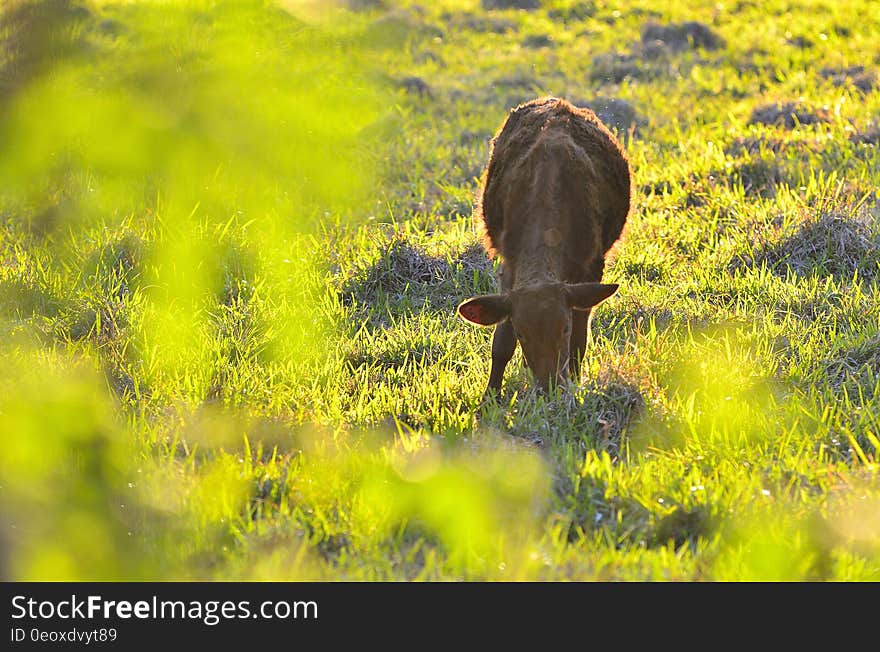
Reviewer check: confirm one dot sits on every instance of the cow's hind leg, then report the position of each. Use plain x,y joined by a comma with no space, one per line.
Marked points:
503,346
577,346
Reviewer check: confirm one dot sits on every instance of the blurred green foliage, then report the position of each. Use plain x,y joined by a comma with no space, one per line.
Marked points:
210,121
214,135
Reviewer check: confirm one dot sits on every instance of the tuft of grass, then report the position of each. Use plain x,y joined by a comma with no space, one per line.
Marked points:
681,36
838,242
788,115
858,77
510,4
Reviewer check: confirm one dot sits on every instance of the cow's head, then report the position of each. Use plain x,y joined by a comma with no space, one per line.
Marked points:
541,319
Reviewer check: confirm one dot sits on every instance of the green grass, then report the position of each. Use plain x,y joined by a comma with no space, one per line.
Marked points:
232,240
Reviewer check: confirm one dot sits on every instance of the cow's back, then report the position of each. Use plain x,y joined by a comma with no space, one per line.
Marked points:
591,170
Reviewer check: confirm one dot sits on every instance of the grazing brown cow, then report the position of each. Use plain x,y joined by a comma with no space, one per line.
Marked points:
555,198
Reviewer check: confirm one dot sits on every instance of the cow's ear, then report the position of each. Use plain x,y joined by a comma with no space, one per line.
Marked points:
583,296
485,310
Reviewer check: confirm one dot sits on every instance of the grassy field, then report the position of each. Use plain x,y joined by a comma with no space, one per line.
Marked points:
233,236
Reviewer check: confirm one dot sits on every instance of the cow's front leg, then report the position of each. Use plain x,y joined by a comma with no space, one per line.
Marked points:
577,347
503,346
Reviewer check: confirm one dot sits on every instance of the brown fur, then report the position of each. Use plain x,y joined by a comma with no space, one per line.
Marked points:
555,198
